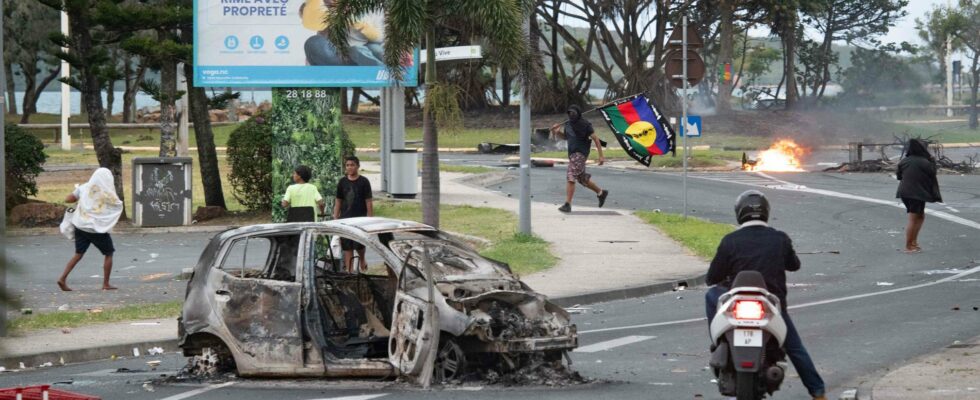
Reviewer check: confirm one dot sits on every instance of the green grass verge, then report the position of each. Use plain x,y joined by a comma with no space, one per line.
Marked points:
464,169
71,319
699,235
699,158
524,254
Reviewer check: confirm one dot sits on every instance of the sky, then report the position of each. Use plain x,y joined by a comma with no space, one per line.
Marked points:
904,30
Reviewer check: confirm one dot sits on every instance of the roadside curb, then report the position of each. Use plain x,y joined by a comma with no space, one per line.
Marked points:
627,293
87,354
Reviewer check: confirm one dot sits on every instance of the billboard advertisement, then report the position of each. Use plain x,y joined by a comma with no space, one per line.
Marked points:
283,43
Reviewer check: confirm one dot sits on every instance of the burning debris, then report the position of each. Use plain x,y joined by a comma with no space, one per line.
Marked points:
782,156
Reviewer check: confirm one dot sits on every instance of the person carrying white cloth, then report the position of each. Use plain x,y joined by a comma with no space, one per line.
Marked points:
96,213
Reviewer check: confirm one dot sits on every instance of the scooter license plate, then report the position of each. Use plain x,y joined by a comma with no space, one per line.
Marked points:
748,338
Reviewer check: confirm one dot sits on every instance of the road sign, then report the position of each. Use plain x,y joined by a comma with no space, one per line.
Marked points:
693,39
675,64
693,125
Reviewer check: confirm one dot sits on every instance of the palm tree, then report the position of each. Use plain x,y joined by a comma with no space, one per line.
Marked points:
499,22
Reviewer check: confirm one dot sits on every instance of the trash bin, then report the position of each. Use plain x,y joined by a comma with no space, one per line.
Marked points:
404,173
162,191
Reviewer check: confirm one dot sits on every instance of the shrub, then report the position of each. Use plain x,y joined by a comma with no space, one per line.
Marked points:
250,156
24,157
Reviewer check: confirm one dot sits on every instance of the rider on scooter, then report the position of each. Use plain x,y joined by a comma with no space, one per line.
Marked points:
754,246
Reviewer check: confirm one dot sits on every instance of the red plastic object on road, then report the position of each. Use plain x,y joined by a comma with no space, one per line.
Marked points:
42,392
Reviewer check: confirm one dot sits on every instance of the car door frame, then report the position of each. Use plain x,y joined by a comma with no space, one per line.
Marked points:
271,342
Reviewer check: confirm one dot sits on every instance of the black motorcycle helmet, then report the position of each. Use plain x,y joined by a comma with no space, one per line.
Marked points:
751,205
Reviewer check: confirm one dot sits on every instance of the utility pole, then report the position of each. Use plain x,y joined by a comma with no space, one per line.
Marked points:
3,185
65,90
525,164
949,69
683,123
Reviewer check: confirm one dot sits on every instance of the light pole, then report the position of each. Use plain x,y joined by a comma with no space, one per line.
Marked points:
949,69
525,164
3,185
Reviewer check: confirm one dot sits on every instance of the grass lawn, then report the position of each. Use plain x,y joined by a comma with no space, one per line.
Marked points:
70,319
699,235
945,132
699,158
524,254
464,169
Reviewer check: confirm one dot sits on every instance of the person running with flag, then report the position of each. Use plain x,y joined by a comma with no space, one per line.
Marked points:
580,136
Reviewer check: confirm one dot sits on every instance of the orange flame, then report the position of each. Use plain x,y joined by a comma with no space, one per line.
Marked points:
784,155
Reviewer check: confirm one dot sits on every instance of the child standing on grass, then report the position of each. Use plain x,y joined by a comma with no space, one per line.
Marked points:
96,213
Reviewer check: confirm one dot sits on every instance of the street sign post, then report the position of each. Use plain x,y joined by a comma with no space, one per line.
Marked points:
693,126
683,58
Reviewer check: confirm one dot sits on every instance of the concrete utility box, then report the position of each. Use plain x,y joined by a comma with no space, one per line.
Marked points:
404,173
162,191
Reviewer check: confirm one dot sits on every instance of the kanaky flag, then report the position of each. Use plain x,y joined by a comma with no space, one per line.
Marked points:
640,128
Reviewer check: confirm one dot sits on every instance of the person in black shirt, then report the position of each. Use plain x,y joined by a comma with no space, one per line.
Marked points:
919,185
580,135
754,246
354,199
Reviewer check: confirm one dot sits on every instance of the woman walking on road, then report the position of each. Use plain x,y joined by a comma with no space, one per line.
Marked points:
918,186
97,212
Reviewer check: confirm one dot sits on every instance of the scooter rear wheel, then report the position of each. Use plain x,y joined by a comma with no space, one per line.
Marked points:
746,387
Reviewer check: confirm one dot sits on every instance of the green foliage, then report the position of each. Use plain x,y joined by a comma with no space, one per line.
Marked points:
24,157
250,156
306,130
220,101
442,100
881,77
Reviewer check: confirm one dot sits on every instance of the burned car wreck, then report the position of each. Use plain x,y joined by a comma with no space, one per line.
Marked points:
276,300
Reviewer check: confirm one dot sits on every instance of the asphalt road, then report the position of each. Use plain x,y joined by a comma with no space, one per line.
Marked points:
655,347
146,268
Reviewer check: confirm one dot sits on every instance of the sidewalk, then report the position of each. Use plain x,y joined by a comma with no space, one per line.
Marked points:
952,374
600,250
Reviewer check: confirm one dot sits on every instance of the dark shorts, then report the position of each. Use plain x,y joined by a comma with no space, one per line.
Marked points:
576,168
102,241
913,206
347,244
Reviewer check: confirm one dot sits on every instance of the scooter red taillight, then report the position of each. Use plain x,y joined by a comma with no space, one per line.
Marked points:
749,309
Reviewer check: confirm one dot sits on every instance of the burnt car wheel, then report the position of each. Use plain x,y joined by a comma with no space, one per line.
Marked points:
450,360
213,361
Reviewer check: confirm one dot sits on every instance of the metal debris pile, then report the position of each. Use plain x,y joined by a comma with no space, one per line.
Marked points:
509,323
864,166
536,370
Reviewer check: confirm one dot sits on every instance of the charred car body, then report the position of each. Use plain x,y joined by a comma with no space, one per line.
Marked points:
276,301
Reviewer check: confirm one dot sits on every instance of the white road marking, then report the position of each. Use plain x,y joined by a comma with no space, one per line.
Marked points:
789,186
611,344
196,392
804,305
361,397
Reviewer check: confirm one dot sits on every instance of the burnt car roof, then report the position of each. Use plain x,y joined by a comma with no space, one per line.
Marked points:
369,225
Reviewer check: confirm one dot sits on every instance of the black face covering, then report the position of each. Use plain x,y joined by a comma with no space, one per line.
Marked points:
918,148
578,123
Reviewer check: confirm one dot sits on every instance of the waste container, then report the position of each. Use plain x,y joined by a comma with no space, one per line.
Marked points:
162,191
404,173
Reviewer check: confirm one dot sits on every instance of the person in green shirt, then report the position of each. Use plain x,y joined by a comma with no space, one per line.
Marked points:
303,194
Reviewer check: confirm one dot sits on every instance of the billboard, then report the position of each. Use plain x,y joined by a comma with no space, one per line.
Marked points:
283,43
